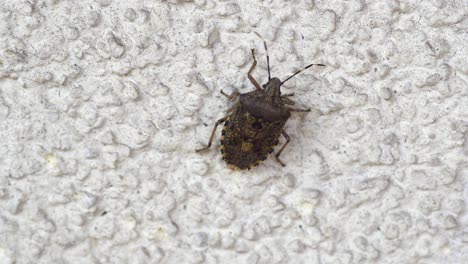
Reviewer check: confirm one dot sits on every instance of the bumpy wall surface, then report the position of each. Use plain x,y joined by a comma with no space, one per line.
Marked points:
103,102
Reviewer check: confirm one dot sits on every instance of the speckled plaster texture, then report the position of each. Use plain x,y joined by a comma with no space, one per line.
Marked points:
102,104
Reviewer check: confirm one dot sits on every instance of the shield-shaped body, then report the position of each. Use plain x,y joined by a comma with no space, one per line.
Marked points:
248,137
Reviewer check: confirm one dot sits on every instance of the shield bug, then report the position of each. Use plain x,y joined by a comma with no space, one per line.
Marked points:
253,126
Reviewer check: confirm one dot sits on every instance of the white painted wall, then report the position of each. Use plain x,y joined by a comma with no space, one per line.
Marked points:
102,104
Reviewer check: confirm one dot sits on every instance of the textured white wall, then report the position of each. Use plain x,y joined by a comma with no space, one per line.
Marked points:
102,104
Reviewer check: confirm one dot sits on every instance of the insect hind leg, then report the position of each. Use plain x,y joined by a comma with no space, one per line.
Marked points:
220,121
287,101
286,136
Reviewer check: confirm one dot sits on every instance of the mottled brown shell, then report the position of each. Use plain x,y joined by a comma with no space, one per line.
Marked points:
247,140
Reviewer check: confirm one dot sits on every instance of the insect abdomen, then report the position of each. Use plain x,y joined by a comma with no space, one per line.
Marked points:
248,140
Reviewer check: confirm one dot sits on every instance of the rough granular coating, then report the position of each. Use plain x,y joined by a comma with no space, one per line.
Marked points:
102,103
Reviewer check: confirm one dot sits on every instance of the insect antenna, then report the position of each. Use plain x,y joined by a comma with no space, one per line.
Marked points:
268,57
296,73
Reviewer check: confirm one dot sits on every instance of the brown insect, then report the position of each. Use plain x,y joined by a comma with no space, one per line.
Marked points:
255,123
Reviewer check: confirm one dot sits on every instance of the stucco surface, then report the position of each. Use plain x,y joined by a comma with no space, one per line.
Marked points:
102,104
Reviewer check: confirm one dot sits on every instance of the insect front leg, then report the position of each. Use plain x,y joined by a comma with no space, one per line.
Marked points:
220,121
286,136
249,74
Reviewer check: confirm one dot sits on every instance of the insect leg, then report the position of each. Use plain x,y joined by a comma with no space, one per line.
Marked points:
298,110
286,136
251,78
231,96
287,95
287,101
212,134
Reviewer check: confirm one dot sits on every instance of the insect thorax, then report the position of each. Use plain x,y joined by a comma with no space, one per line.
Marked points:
262,105
272,88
